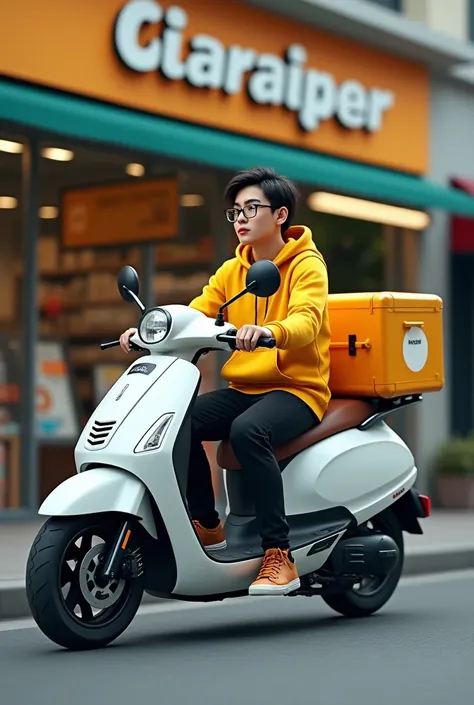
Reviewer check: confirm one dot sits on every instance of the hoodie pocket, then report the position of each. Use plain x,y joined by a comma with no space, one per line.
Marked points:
259,368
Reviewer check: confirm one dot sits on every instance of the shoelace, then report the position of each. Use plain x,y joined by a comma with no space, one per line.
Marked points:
272,564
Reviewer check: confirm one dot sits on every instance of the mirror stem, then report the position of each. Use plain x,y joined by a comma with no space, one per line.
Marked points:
135,297
220,315
220,319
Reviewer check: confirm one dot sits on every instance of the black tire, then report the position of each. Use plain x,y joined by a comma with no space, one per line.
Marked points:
48,572
357,603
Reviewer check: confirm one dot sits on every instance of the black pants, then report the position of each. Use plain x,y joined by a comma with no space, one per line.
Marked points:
253,424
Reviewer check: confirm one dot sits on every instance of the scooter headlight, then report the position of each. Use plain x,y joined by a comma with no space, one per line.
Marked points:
155,326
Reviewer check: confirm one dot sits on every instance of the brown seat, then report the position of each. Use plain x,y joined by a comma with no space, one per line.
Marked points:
341,415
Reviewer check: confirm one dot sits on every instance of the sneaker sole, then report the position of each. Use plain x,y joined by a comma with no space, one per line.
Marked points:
274,589
217,546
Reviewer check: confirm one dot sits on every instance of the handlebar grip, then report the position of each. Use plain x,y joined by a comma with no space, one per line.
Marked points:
262,342
266,343
112,344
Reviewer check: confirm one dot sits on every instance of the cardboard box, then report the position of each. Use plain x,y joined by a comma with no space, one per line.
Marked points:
386,344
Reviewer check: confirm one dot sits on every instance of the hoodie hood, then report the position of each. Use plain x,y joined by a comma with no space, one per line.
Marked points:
298,241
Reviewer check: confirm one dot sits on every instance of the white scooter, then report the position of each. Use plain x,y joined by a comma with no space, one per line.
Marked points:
121,525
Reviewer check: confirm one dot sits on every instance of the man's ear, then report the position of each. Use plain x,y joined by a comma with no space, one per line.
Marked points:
282,215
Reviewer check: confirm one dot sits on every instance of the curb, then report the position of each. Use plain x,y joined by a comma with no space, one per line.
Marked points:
439,560
14,605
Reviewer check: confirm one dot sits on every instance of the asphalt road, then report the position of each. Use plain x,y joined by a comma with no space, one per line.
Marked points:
267,651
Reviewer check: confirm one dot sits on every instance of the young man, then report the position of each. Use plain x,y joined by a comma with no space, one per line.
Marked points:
274,395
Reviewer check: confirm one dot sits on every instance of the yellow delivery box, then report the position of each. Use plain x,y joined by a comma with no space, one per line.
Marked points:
386,344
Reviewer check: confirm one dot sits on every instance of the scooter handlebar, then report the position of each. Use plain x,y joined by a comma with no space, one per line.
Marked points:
116,343
223,338
262,342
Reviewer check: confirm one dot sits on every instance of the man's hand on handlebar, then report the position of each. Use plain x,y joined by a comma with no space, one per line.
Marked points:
125,339
248,336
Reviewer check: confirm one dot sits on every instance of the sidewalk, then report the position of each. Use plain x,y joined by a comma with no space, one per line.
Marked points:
447,544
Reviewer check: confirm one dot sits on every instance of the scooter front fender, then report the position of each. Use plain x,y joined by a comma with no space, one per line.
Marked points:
101,490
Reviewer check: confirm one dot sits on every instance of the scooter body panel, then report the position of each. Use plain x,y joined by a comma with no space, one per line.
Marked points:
360,470
120,401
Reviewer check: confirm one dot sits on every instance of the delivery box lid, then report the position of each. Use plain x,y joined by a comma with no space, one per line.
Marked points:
394,300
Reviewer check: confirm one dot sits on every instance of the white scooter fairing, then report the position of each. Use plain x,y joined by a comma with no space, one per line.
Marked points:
132,458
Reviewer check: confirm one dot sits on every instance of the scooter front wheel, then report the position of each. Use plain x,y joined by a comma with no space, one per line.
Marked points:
65,600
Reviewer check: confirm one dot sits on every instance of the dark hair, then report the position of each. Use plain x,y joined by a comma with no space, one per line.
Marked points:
279,190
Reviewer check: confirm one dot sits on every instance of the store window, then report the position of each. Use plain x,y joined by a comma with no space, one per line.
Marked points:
362,253
11,317
97,210
344,242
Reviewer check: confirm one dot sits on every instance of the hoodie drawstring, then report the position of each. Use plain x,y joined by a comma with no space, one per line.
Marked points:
256,310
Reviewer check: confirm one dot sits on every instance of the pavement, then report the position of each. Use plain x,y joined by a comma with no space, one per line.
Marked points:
446,545
268,650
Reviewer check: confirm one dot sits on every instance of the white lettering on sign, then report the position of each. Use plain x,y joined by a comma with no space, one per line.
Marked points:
314,95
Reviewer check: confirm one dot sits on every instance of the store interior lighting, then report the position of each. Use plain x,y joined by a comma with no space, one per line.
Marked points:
347,207
48,212
191,200
135,169
11,147
8,202
57,154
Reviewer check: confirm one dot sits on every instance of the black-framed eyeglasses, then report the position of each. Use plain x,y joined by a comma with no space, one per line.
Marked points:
249,211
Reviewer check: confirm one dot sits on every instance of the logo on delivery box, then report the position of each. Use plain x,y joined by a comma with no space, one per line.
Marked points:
415,349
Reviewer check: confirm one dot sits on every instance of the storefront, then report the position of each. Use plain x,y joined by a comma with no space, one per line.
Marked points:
448,262
118,129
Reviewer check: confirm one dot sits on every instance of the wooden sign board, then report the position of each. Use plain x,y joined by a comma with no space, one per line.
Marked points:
120,214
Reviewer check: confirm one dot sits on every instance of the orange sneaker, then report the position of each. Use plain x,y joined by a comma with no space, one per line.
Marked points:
278,574
211,539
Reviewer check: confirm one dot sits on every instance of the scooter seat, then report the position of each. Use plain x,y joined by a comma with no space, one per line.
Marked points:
342,414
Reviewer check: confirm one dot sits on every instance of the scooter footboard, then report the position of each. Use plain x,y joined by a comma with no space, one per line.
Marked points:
101,490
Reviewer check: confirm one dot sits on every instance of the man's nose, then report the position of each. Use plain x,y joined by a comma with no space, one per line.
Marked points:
242,218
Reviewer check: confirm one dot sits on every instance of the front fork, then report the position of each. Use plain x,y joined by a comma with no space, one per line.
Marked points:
120,562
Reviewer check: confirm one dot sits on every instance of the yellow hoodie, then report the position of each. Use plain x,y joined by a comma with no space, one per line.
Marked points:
297,316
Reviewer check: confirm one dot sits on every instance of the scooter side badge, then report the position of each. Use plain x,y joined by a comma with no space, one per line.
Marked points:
120,394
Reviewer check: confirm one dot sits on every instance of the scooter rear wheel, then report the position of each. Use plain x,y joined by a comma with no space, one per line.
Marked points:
373,593
65,601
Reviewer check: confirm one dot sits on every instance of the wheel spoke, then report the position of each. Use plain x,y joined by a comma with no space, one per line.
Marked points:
68,574
86,609
73,598
74,553
86,542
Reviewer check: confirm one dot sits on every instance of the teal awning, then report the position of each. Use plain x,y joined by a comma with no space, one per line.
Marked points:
87,119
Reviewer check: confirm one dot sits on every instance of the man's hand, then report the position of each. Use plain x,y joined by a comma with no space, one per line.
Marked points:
247,337
125,339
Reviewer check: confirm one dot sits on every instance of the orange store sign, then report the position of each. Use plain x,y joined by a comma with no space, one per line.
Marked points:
230,66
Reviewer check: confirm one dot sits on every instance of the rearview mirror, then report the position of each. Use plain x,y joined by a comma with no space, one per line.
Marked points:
263,278
129,286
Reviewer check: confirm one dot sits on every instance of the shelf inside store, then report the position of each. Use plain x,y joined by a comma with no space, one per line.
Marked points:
167,266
